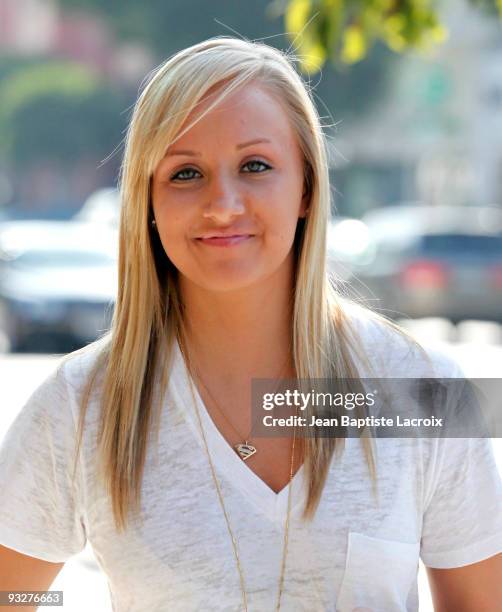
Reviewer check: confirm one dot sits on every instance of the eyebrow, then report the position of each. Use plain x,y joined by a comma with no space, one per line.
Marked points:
240,146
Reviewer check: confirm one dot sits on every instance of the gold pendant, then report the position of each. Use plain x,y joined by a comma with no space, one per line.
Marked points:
245,450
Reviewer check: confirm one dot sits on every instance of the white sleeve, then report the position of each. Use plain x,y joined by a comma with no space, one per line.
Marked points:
40,509
462,522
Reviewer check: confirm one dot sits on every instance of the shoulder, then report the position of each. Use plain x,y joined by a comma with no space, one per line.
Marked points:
76,368
46,423
54,403
386,349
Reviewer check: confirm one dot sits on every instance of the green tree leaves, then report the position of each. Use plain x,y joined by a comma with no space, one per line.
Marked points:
345,30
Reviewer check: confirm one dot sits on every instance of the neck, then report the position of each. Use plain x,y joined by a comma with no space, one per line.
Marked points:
241,333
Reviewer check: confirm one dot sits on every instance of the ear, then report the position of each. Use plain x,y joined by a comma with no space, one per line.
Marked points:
305,205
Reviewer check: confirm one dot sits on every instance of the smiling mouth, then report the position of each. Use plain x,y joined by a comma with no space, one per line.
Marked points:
225,241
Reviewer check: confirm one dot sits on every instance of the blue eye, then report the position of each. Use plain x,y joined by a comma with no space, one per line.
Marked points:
255,166
181,174
255,163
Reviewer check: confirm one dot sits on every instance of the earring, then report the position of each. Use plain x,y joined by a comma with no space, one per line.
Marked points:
154,224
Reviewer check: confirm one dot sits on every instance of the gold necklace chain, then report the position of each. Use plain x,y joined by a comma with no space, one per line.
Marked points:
252,448
222,503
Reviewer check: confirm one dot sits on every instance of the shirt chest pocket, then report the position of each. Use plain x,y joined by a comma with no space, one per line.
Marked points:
378,575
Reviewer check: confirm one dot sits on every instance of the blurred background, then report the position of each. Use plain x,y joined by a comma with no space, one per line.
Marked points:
411,101
411,97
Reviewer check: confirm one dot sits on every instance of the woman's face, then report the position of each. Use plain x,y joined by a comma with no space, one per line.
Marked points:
228,194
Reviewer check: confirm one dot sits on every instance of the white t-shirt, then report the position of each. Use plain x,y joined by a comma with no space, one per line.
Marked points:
440,499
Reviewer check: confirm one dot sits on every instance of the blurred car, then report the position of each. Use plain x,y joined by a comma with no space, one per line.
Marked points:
57,281
442,261
102,206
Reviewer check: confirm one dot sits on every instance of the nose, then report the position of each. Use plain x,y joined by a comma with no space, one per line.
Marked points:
224,200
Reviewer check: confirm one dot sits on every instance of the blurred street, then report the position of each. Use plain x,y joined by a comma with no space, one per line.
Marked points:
476,344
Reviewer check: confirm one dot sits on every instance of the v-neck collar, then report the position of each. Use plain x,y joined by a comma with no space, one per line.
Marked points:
226,462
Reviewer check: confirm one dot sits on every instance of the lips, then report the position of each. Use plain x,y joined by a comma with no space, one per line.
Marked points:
224,234
225,240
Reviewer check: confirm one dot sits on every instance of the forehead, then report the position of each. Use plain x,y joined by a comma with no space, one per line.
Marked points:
251,111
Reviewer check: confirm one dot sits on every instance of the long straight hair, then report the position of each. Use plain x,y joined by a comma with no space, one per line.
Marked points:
134,358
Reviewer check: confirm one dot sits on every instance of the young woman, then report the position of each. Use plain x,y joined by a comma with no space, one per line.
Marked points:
225,203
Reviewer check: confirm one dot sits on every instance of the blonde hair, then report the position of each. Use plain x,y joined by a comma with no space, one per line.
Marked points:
148,313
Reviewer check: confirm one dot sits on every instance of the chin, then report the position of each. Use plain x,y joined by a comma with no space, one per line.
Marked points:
226,279
227,284
231,277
